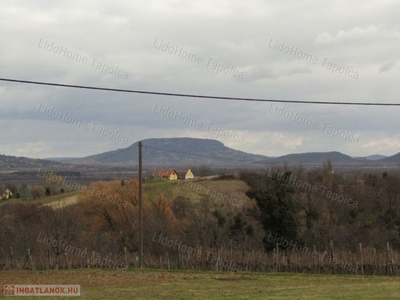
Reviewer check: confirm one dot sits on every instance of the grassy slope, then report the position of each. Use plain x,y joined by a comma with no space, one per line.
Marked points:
193,189
43,200
197,189
162,284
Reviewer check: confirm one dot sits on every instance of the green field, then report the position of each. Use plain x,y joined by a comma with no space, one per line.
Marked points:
41,201
197,188
162,284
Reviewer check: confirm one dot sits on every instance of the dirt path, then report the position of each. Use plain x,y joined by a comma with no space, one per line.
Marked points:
64,202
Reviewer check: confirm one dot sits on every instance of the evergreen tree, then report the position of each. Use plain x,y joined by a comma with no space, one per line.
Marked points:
277,209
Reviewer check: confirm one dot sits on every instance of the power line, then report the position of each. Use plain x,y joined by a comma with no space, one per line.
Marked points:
197,96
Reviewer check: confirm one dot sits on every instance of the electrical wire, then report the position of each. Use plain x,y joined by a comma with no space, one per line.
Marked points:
196,96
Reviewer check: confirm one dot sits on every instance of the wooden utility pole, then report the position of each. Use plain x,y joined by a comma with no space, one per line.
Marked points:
140,208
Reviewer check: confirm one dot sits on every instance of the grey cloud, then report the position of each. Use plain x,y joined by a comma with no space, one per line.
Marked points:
386,66
363,36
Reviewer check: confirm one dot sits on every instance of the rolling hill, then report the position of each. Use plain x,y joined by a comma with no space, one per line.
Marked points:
183,152
375,157
394,159
316,158
188,152
8,162
176,152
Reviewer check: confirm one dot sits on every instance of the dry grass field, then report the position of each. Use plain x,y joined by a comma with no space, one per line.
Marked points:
198,188
59,200
163,284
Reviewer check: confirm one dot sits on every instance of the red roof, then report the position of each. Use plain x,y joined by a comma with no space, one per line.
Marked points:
163,172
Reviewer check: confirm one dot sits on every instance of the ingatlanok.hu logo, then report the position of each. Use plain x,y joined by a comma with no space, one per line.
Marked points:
41,290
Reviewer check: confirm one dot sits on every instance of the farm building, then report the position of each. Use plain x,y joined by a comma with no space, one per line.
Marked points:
5,194
166,174
185,174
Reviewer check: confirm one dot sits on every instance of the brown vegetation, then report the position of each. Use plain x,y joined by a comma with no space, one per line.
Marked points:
327,232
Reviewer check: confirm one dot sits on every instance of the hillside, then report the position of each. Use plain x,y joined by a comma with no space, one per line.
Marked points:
375,157
394,159
189,152
184,152
176,152
316,158
199,188
12,162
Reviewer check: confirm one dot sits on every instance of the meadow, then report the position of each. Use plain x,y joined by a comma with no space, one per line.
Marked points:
163,284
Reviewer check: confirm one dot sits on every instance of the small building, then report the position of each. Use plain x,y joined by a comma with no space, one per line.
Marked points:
189,174
5,194
185,174
168,174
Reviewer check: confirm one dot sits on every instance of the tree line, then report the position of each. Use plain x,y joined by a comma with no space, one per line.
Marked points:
290,212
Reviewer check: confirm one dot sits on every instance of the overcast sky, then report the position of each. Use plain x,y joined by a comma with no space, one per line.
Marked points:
290,50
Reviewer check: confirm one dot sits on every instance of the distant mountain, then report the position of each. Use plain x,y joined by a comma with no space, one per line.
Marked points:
394,159
59,158
375,157
370,158
175,152
13,162
183,152
316,158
